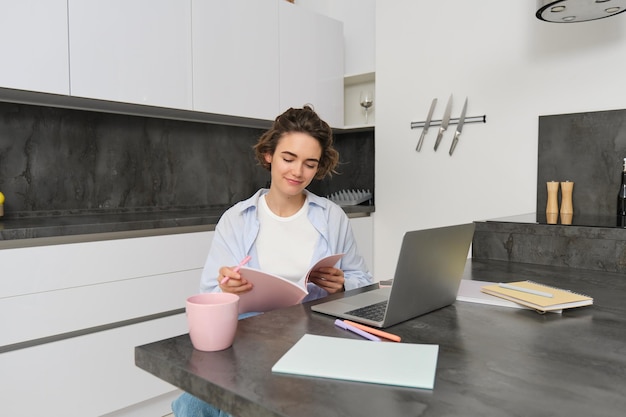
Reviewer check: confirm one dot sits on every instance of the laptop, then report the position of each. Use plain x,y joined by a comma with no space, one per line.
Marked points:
428,274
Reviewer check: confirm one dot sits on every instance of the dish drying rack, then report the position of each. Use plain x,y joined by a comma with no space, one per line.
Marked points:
350,197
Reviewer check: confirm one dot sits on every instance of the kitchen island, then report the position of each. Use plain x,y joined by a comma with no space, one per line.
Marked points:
493,361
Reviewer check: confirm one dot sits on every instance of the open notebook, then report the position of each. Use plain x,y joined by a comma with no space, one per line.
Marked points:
272,291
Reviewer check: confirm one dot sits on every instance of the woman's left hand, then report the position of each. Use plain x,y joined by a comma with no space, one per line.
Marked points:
329,279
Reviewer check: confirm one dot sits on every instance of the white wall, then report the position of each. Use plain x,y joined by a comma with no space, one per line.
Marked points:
513,68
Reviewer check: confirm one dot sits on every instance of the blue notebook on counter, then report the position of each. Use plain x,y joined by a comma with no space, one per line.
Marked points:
401,364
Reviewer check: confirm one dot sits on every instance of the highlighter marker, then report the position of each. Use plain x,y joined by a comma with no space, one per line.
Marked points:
374,331
353,329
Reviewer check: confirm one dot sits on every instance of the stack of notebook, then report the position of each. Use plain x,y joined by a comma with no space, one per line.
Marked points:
537,296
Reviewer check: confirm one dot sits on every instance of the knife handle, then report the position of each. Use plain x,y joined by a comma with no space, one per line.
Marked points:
439,136
419,143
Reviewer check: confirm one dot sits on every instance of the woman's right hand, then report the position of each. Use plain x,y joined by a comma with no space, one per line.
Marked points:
231,281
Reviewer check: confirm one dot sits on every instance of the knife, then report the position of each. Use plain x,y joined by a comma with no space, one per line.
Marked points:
444,122
426,124
459,128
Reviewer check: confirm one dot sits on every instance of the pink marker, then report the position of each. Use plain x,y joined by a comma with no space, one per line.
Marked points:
242,263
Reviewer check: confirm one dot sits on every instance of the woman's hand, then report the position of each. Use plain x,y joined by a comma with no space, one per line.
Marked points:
328,278
235,284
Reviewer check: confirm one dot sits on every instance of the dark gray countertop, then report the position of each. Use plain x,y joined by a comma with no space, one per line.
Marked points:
524,239
493,361
577,220
18,231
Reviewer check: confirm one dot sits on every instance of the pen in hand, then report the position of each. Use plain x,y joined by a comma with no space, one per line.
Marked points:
236,269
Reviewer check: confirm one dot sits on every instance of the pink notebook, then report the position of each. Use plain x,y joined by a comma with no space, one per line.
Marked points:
271,291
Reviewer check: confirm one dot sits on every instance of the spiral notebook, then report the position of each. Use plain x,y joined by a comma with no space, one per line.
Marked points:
470,291
558,300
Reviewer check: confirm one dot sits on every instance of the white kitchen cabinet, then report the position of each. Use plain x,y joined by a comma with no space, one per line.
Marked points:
88,375
244,58
311,62
34,45
78,311
132,51
359,24
235,57
258,58
363,230
359,29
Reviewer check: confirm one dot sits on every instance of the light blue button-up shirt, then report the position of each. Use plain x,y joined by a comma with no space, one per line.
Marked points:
238,228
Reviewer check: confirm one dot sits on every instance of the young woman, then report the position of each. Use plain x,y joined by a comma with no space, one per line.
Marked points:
285,229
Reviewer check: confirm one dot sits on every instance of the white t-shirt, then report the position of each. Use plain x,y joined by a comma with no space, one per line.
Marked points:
285,245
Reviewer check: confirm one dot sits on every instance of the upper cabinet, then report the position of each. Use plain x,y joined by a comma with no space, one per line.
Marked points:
359,25
235,57
33,45
256,59
248,60
359,30
311,62
136,51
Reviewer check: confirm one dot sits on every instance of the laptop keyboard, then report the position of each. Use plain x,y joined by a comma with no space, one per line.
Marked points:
374,312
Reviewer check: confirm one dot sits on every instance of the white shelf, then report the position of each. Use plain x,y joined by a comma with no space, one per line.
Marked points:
353,113
356,127
353,79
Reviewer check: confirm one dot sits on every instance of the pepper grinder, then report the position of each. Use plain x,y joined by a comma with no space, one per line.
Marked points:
552,206
567,207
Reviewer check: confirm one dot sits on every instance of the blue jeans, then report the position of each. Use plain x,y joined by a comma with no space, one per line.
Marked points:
189,406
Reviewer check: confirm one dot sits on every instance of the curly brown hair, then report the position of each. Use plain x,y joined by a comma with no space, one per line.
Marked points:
303,120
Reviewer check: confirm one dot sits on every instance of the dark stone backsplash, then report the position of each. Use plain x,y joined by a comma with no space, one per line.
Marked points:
60,161
588,149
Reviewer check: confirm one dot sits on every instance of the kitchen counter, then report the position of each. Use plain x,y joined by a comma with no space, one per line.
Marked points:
577,220
588,243
56,228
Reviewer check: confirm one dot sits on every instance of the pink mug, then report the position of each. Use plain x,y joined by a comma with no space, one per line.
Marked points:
212,319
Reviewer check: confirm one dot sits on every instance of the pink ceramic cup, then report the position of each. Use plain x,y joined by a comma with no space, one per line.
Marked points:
212,319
